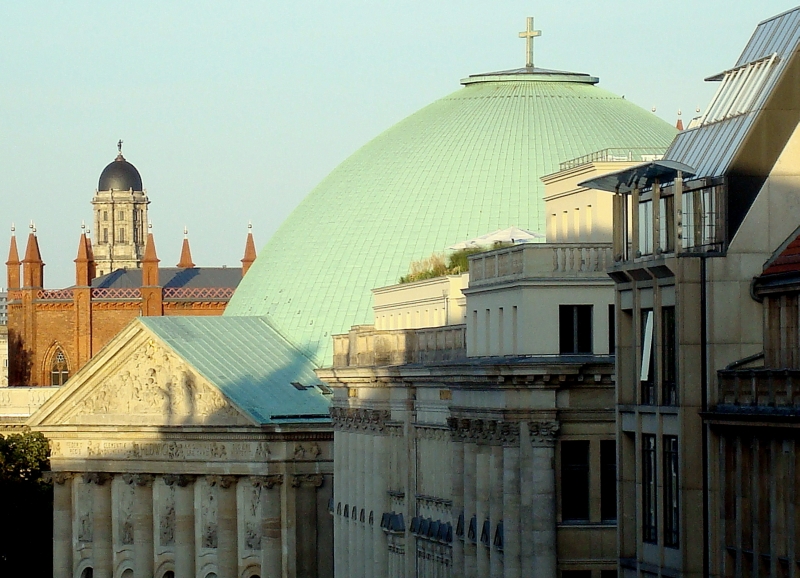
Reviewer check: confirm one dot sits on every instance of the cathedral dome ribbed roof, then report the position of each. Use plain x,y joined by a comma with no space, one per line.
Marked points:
120,175
467,164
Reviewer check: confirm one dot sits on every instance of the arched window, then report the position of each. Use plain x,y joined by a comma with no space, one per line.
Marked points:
169,574
59,370
87,573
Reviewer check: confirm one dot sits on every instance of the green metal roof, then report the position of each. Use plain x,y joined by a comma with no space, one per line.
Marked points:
250,362
461,167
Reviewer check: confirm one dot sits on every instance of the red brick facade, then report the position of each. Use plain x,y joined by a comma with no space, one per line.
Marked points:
53,333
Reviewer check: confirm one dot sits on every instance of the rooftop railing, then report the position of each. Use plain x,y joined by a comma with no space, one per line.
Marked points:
759,390
638,154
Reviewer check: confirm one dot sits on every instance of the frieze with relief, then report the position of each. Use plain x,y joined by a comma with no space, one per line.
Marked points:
157,384
205,451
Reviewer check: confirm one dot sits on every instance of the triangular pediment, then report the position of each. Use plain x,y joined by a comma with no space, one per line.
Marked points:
138,380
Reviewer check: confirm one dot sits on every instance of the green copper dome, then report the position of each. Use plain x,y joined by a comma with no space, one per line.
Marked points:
466,165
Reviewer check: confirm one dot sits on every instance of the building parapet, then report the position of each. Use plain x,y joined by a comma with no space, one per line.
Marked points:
568,260
18,403
364,346
640,154
759,390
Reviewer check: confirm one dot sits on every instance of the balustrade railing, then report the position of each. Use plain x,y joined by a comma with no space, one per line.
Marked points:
759,389
198,293
116,293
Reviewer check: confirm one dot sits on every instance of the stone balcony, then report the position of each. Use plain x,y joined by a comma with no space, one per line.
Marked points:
759,391
540,260
364,346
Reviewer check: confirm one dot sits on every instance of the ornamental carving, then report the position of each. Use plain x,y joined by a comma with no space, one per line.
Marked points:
59,478
98,478
140,480
181,480
307,452
253,496
307,480
484,431
155,382
543,433
223,482
166,524
125,510
346,418
208,516
267,482
432,433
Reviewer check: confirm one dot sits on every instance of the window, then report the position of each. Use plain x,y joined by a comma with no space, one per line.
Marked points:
669,389
649,490
646,228
575,328
608,480
59,371
608,574
671,510
122,215
646,372
105,215
666,225
612,330
105,235
575,481
121,235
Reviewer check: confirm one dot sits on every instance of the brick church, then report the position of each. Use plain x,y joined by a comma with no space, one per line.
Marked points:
53,333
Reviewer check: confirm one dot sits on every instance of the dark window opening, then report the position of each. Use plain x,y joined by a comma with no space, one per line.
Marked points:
669,389
486,531
608,480
121,235
671,512
649,490
105,235
575,481
646,377
612,330
575,328
608,574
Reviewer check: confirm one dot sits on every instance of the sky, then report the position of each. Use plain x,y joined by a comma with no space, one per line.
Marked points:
234,111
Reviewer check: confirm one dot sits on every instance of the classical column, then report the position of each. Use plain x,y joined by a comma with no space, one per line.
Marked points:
271,543
62,524
470,563
457,476
341,465
305,486
543,483
511,500
227,517
482,506
101,524
380,467
184,523
142,524
495,503
350,528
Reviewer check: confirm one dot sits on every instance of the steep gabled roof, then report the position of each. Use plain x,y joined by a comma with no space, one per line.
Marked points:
786,259
174,277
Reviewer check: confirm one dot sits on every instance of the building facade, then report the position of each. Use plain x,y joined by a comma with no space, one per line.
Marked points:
692,232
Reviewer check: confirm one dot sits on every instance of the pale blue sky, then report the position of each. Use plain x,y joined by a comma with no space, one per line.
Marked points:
233,111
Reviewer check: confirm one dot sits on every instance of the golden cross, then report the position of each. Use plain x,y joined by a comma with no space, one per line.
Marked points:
529,35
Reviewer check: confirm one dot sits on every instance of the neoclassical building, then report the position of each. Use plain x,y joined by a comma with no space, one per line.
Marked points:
179,451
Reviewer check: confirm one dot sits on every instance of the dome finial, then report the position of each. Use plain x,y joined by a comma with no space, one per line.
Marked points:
185,232
529,34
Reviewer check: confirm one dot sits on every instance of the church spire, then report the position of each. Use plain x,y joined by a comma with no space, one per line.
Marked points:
186,252
32,265
249,250
13,263
150,262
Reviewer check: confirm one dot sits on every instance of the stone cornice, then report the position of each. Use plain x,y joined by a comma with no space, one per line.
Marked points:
307,480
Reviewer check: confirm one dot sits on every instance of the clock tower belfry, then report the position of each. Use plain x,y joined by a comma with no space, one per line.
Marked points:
120,217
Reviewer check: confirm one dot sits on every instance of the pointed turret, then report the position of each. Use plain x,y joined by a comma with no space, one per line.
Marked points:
84,263
32,265
150,263
13,263
249,250
186,252
679,124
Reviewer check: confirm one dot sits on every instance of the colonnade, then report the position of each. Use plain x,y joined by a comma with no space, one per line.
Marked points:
244,531
504,473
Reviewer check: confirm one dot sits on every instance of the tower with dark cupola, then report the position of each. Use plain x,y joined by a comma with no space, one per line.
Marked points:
120,217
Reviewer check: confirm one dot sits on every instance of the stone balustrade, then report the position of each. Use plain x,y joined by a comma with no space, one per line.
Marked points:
759,390
544,260
18,403
364,346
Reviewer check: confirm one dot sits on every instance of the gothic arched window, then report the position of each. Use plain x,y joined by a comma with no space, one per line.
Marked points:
59,370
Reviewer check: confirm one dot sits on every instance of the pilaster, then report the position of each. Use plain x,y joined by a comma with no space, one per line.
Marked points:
184,523
543,483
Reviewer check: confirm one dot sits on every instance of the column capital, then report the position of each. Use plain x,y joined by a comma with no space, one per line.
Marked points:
223,482
313,480
508,432
59,478
267,482
98,478
180,480
138,479
543,433
348,418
